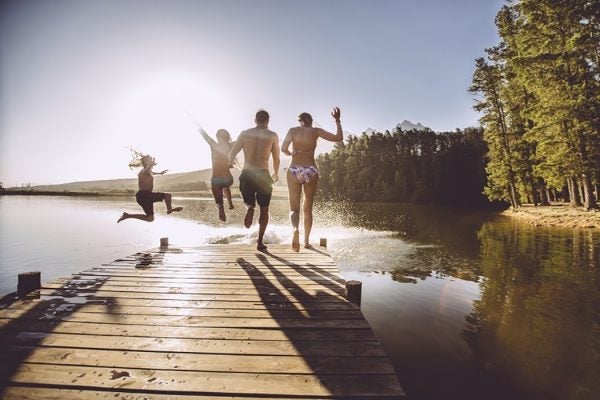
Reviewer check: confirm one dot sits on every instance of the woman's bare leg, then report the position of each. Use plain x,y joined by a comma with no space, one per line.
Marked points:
310,189
295,194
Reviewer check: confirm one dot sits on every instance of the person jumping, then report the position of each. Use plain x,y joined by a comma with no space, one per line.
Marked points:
145,197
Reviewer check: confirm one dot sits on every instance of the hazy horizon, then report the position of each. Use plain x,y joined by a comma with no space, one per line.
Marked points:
80,81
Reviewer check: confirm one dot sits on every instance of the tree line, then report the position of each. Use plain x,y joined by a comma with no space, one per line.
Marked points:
538,92
419,166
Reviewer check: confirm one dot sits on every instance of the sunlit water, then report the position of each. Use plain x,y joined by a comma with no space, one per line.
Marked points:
466,305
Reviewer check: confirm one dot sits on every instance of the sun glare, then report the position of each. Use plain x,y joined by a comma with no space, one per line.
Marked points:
159,114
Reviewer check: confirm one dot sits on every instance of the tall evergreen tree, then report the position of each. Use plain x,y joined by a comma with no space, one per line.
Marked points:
541,101
488,81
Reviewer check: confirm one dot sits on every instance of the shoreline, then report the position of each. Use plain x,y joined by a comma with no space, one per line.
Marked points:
54,193
556,215
279,193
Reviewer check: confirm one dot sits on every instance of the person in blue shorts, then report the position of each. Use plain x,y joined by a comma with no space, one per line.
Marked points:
221,176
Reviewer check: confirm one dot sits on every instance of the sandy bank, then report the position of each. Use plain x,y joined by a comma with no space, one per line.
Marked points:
557,214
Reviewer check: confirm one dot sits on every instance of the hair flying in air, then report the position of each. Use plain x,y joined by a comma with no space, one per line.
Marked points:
137,158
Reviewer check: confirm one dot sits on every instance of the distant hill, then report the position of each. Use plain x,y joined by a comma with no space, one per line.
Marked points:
169,182
178,182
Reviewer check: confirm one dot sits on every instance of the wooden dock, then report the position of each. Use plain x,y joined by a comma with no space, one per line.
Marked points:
195,323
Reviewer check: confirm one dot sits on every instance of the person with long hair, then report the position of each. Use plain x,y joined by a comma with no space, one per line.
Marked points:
145,196
222,179
302,174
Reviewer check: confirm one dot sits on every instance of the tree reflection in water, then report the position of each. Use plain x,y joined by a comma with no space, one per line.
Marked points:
534,329
537,323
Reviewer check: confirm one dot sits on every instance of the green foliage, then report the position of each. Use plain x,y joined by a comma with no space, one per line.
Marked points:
412,166
540,99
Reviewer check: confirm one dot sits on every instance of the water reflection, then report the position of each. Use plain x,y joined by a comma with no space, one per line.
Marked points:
537,323
467,305
530,329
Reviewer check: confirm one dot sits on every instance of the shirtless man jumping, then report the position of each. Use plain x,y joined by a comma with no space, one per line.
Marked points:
256,184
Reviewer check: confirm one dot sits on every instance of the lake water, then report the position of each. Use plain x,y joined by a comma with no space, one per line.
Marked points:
467,305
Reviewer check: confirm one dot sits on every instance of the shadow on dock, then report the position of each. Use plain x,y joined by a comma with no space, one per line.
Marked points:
26,324
297,320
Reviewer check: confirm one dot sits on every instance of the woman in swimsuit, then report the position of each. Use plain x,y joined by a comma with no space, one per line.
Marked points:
221,176
302,174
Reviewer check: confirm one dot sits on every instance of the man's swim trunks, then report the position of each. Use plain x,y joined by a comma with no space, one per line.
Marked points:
146,200
223,182
256,186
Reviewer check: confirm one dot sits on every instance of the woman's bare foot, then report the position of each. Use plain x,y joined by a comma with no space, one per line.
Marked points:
231,207
248,217
176,209
296,241
307,246
123,216
261,247
222,216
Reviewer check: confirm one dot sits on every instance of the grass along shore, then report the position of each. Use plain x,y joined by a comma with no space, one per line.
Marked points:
556,214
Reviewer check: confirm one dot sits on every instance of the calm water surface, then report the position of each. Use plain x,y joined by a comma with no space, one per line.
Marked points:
467,305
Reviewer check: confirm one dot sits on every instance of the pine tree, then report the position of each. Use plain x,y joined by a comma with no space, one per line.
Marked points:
558,47
488,81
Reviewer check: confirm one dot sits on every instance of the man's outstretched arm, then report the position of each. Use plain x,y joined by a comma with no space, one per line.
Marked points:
276,159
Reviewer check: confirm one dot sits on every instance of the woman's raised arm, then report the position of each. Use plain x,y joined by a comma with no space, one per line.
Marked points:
339,135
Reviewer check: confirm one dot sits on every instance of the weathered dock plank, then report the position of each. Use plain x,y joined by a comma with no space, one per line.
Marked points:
202,382
206,322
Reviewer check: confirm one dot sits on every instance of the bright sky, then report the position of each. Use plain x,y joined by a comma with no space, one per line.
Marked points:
82,80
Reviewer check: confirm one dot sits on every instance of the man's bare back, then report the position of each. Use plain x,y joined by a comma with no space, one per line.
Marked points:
257,144
256,186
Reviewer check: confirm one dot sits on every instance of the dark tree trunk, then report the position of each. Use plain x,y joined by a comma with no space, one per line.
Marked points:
570,190
543,192
566,192
532,194
514,197
590,200
574,192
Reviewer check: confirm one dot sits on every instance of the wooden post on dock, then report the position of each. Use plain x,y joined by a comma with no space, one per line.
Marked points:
354,292
28,282
164,242
323,242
